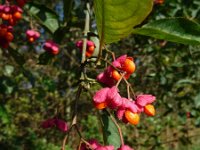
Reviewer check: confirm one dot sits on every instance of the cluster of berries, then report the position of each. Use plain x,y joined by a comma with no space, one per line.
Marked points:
6,35
90,47
32,35
54,122
93,144
51,47
113,73
126,109
10,15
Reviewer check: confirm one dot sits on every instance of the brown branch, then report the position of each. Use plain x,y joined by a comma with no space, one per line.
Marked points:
130,87
74,120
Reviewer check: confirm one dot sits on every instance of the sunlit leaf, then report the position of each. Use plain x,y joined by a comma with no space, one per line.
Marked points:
178,30
116,18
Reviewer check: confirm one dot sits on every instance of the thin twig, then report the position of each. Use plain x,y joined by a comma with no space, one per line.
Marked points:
71,58
110,52
79,145
66,137
74,119
111,64
128,91
118,128
130,87
79,133
122,76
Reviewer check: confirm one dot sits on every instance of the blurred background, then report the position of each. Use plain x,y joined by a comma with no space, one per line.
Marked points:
34,87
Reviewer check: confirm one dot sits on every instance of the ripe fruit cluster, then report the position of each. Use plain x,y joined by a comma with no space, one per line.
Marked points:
90,47
32,35
95,145
6,35
113,73
126,109
54,122
51,47
10,13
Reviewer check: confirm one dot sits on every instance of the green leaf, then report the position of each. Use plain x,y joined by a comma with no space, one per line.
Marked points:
178,30
110,131
44,15
8,70
197,100
116,18
4,115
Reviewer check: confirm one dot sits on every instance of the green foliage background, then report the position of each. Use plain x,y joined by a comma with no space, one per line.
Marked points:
34,87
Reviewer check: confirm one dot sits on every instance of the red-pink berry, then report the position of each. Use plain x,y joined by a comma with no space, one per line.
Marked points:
51,47
61,125
32,35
